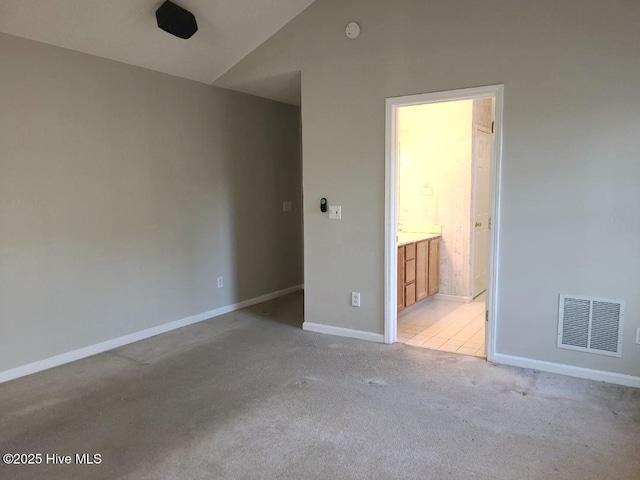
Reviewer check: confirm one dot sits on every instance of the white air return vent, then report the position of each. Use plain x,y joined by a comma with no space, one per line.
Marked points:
591,324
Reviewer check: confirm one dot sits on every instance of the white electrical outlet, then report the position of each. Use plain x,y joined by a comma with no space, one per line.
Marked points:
220,282
637,336
335,212
355,299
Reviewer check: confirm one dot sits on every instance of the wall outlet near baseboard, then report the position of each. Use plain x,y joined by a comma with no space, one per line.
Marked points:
637,336
220,282
355,299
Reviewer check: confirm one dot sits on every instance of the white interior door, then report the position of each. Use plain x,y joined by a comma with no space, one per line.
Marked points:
482,144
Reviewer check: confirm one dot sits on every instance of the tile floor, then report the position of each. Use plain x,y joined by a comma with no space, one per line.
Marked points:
445,325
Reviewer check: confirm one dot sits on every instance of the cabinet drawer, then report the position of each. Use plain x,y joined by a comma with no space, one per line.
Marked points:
409,295
410,251
409,271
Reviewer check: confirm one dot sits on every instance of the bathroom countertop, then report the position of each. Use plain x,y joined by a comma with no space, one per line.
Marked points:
406,238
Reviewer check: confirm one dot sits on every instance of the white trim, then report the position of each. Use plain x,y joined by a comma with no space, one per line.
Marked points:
343,332
74,355
496,204
390,223
569,370
453,298
391,207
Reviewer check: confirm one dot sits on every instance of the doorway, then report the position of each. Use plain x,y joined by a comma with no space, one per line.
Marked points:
442,219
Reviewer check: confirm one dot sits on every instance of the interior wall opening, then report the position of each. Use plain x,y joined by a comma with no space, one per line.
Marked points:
443,220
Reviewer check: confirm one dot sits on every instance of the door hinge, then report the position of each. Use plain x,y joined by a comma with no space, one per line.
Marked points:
486,315
489,223
493,127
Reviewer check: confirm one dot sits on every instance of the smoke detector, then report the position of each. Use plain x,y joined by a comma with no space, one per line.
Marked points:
352,30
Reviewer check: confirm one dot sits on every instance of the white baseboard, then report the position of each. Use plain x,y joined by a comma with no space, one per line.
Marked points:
569,370
343,332
74,355
452,298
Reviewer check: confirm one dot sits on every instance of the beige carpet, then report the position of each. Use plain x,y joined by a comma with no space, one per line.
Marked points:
249,396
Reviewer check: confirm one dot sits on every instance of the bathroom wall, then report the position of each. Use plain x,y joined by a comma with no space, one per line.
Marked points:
435,182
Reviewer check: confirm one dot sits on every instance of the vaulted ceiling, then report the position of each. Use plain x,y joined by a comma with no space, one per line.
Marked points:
126,30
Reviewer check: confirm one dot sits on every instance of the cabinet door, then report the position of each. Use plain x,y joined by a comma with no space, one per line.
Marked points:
422,270
400,278
410,294
434,265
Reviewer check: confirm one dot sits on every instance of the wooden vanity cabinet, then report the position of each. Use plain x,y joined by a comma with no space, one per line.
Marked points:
418,276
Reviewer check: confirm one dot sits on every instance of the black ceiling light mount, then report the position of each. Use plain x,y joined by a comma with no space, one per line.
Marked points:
176,20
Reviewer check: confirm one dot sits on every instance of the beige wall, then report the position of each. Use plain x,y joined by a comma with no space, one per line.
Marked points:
124,193
571,142
434,170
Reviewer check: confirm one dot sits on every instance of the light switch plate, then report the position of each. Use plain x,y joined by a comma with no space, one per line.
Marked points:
335,212
286,206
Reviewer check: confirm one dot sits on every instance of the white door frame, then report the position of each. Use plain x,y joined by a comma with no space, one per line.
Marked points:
391,206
